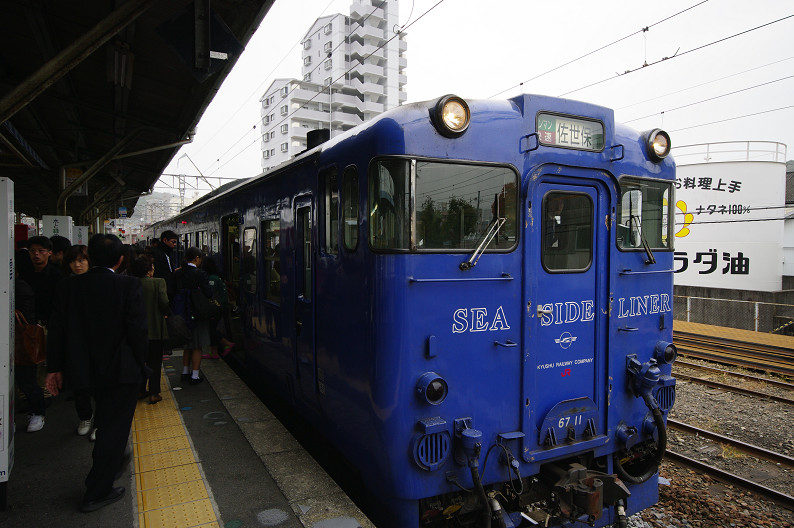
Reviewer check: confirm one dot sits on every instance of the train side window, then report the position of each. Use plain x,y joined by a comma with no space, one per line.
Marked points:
201,242
271,246
643,214
567,236
330,211
214,242
248,268
303,226
350,208
389,204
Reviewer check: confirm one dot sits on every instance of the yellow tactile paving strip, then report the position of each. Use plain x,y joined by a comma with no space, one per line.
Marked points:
170,486
735,334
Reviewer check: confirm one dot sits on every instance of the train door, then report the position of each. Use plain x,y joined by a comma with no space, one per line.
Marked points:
305,358
567,277
230,240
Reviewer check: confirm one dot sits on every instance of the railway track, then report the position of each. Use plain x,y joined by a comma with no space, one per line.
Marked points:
754,350
734,388
739,375
781,499
772,456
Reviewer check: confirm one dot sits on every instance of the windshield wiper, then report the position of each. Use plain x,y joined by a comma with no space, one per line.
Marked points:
489,236
645,245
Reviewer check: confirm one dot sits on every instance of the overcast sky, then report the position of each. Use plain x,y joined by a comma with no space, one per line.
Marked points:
479,49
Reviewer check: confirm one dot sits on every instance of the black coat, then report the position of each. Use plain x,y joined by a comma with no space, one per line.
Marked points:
162,270
97,335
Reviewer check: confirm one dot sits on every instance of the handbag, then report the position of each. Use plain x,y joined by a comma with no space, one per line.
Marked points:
30,343
178,331
203,309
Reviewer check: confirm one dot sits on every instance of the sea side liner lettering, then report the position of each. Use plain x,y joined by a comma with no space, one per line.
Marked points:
573,311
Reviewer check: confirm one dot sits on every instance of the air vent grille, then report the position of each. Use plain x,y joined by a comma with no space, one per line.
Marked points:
431,450
665,397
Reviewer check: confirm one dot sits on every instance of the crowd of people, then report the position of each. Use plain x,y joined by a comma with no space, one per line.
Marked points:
105,308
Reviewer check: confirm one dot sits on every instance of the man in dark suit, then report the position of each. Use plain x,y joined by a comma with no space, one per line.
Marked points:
165,259
98,340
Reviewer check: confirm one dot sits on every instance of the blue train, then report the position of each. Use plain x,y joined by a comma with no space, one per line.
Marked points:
472,301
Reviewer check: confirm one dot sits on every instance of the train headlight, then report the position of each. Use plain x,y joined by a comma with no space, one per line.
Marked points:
451,116
665,352
658,144
431,388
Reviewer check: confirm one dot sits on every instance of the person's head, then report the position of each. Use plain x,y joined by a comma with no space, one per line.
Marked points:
105,251
555,206
59,246
210,266
193,255
75,260
39,249
130,254
142,266
168,239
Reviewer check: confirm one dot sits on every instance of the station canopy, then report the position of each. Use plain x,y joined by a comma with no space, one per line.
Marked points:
97,96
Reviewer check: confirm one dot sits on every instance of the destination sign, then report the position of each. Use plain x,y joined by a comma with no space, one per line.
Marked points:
570,132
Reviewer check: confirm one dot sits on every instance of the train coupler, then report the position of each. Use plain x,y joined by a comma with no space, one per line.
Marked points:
579,491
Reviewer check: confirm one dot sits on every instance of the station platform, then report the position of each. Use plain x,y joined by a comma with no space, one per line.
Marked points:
209,455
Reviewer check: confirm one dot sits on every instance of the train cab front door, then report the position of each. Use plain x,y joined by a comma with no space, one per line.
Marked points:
567,280
305,358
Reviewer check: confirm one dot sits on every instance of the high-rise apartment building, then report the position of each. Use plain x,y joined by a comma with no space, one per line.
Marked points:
353,69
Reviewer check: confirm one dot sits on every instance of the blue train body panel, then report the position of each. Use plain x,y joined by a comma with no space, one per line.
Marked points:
528,367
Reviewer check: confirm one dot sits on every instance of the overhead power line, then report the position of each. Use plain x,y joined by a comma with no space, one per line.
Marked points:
733,118
643,30
677,55
707,100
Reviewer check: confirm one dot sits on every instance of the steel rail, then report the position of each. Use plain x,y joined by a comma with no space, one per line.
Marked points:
736,343
766,454
786,501
722,356
733,388
748,377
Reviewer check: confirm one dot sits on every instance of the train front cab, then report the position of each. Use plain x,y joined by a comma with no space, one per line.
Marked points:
559,345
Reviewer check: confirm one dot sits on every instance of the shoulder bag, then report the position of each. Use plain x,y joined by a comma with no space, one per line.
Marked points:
30,344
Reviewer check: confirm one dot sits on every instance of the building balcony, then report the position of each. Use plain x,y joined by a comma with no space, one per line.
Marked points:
370,88
359,11
370,70
368,34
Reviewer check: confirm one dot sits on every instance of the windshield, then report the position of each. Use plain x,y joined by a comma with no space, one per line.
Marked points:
644,213
454,206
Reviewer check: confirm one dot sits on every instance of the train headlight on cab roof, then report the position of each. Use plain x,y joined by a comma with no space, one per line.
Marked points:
658,144
451,116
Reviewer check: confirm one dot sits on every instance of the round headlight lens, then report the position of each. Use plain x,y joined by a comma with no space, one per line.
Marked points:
452,116
658,144
455,116
432,388
665,352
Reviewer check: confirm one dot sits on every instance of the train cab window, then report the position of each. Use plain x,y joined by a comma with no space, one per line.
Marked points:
271,246
330,211
248,267
567,236
389,213
350,208
643,215
457,205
